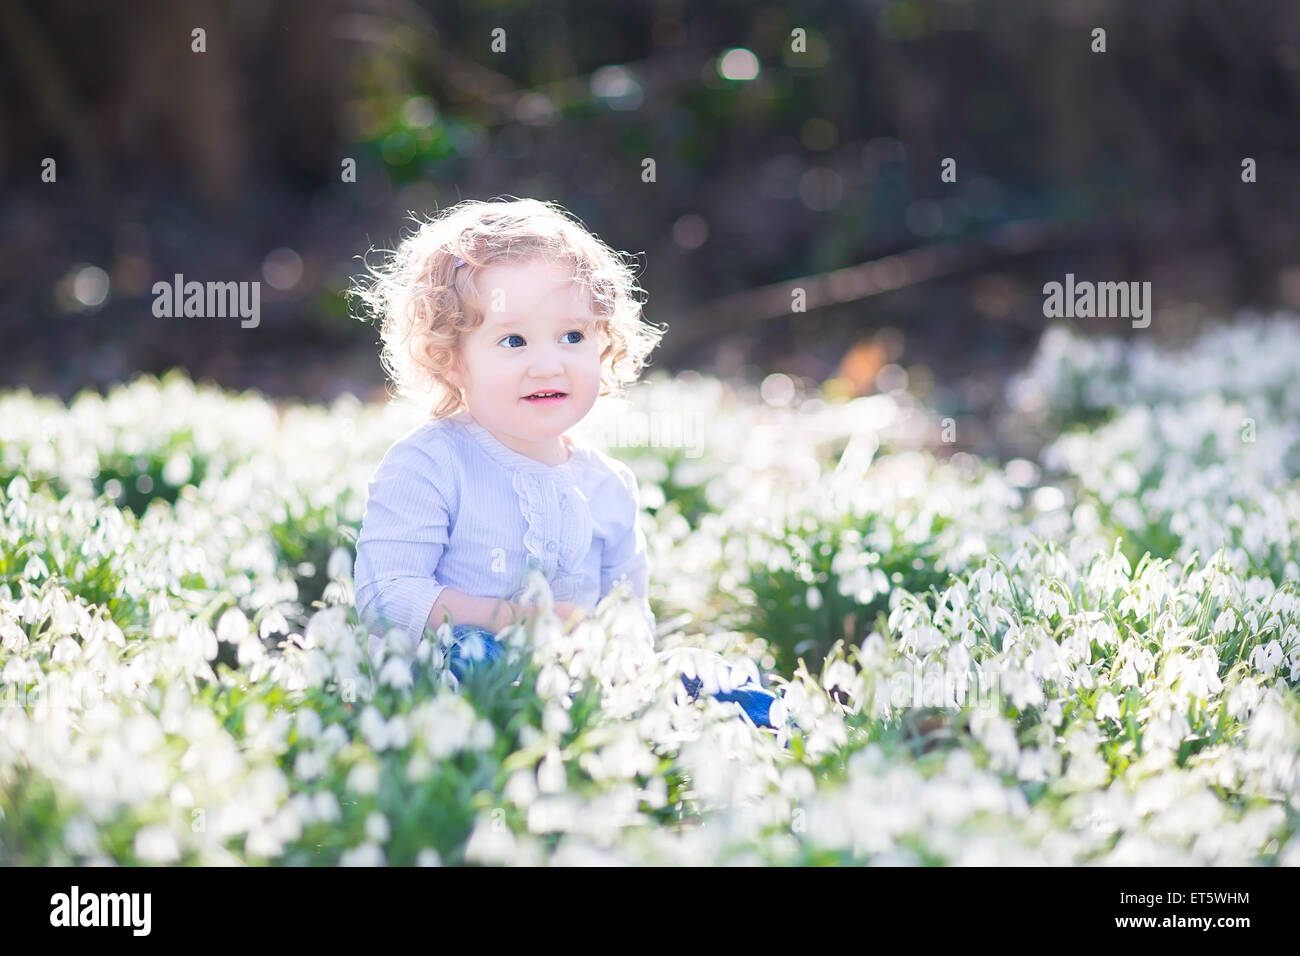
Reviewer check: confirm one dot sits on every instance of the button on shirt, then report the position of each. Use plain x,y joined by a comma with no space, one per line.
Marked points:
451,506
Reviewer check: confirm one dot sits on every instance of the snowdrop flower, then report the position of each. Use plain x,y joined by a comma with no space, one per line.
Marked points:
339,565
325,807
65,651
1167,733
1108,707
1273,725
1266,658
998,736
373,727
521,788
1086,767
1024,688
552,682
1207,664
307,723
261,842
490,843
156,844
872,650
396,673
1225,622
551,777
744,673
334,739
377,829
399,731
555,719
80,837
365,854
1053,713
1034,764
273,622
844,676
364,778
1242,699
233,627
308,765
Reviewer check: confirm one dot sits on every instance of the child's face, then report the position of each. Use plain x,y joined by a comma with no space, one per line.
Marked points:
538,334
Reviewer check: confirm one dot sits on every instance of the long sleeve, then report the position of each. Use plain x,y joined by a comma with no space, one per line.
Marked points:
404,533
626,556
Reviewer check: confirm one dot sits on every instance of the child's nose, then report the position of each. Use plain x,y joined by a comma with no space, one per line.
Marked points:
547,362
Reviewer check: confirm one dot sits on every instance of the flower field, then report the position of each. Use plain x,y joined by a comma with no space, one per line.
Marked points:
1087,658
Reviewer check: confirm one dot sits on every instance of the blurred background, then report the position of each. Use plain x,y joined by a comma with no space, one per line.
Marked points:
776,165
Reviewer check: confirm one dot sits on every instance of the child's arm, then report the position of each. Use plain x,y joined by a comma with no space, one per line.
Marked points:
403,536
494,614
626,557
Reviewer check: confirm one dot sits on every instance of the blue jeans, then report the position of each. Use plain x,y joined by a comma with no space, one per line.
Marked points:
756,701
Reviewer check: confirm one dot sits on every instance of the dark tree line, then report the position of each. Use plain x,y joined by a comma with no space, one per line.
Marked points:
1126,163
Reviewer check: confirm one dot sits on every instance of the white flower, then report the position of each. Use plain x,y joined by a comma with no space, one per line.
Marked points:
399,732
339,565
307,723
998,736
396,672
1108,707
373,728
233,627
308,765
80,836
552,681
156,844
1208,668
1242,699
261,842
555,719
1225,622
364,778
325,807
419,767
551,777
334,739
273,622
845,676
367,854
1266,658
377,829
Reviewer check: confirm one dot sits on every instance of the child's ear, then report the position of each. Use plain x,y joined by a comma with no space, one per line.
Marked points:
454,373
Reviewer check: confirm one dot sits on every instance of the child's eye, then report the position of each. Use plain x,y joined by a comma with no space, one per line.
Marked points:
520,337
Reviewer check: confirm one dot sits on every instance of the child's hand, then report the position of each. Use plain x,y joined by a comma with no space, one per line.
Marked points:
566,611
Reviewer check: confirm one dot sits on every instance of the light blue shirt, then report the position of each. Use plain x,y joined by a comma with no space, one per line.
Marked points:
451,506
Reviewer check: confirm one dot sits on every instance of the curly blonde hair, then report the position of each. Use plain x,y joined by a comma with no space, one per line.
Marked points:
425,305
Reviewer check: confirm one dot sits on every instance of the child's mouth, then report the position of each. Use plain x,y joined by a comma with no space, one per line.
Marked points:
546,398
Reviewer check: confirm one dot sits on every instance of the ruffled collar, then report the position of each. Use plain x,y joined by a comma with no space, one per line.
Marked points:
516,461
558,523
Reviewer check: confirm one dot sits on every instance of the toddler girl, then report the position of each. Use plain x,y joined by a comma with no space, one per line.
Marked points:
510,320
